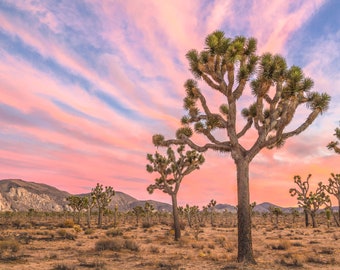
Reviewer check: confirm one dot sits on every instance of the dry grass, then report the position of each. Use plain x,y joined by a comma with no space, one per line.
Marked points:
67,246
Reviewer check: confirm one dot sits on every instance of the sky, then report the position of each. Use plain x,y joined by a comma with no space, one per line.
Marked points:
85,84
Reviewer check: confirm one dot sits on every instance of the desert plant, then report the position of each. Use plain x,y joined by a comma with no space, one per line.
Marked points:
172,170
211,208
226,65
334,144
137,211
333,188
9,245
302,193
114,232
102,197
276,211
77,204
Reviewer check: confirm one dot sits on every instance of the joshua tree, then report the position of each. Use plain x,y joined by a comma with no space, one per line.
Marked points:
334,144
88,205
226,65
137,211
211,207
148,208
190,212
333,188
302,195
102,197
172,170
77,204
276,211
295,214
316,200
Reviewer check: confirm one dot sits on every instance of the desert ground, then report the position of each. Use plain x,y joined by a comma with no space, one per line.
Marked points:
54,241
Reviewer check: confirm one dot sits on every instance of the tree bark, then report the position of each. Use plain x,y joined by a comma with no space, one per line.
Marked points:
313,219
306,218
245,249
100,217
177,227
88,217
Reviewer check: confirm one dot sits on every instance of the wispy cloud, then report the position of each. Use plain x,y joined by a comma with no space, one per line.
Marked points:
85,84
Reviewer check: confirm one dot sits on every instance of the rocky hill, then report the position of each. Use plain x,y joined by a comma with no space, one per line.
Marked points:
19,195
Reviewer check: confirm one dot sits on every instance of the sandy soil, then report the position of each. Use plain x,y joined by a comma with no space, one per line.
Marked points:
275,247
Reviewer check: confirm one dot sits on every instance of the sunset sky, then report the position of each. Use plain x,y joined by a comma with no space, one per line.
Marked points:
85,84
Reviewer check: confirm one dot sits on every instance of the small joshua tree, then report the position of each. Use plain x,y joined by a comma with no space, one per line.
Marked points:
77,204
276,211
172,170
148,209
211,207
302,195
312,201
102,197
137,211
316,200
334,144
333,188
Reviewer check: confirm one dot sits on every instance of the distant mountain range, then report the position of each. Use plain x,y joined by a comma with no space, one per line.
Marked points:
20,195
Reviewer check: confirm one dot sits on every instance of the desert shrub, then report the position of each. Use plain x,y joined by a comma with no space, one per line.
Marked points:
16,223
154,250
297,244
63,267
281,245
292,260
131,245
327,250
89,231
65,234
319,260
97,264
68,223
109,244
146,225
9,246
220,241
77,228
114,232
211,246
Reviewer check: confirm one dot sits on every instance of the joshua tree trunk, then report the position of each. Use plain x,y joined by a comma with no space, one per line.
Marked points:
177,227
306,218
88,217
313,219
100,217
245,250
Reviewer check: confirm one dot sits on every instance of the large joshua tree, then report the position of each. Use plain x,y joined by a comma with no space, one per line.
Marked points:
226,65
172,170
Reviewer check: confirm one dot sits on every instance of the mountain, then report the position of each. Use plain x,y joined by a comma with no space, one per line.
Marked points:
221,207
20,195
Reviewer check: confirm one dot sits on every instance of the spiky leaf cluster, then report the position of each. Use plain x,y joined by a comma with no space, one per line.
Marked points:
333,145
102,196
172,168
